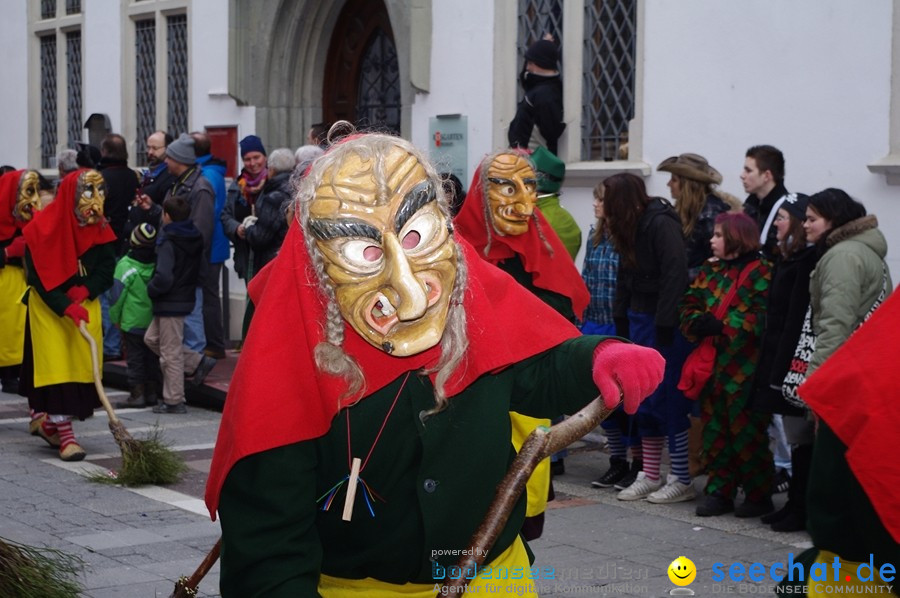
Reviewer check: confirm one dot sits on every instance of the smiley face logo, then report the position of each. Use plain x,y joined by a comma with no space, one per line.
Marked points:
682,571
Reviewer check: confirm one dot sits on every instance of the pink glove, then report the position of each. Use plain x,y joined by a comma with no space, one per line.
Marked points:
77,313
77,294
16,248
630,370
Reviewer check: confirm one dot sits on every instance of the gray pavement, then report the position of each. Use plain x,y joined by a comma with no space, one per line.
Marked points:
137,542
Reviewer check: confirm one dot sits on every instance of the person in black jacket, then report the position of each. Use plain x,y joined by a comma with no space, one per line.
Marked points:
542,105
266,233
785,311
763,179
652,279
180,263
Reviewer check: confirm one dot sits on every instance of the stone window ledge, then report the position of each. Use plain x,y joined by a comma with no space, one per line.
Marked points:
588,174
889,166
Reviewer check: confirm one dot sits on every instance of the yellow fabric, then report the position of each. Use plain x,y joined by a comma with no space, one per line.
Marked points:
12,315
853,588
539,482
512,557
61,354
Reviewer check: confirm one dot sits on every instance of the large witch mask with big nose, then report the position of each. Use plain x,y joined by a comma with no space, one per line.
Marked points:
511,193
28,198
387,247
90,194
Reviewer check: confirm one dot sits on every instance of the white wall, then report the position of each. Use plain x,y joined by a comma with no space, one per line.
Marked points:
810,77
211,106
462,50
102,69
14,91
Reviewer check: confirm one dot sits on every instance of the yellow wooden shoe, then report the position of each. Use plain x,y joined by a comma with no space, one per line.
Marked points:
35,425
72,452
51,439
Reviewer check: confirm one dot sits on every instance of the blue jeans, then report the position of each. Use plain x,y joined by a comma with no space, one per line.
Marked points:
194,335
112,338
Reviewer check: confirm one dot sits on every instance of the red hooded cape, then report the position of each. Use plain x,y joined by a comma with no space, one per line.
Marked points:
554,272
277,361
56,239
855,393
9,193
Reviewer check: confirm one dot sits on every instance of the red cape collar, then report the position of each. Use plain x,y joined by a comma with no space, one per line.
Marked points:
277,357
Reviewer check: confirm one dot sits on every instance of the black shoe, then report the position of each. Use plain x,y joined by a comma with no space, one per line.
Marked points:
794,522
109,358
215,353
132,403
781,482
170,409
631,476
206,365
11,385
557,467
714,505
754,508
777,515
618,469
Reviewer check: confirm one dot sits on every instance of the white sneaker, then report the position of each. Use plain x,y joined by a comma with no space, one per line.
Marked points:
673,491
641,488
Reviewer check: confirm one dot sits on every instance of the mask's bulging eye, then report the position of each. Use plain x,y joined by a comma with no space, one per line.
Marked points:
361,253
418,235
411,240
507,190
88,195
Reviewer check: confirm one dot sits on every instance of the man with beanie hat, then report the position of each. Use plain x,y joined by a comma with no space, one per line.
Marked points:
132,311
200,195
550,174
542,105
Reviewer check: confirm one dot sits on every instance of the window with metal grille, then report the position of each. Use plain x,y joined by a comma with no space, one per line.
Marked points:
608,75
73,7
73,85
48,100
177,67
536,19
145,83
48,9
378,105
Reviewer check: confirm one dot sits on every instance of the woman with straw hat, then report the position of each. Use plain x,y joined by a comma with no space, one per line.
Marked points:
698,202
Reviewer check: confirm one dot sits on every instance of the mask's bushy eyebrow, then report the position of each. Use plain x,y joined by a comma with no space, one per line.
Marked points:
418,196
325,230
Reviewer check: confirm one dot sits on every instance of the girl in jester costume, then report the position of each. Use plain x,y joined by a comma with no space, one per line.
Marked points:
367,423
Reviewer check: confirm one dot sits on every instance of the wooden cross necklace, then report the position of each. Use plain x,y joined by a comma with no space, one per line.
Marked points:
356,467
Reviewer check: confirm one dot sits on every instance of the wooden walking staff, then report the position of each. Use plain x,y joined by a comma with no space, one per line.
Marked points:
186,587
539,445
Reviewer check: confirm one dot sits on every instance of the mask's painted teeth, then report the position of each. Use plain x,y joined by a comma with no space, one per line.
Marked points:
383,307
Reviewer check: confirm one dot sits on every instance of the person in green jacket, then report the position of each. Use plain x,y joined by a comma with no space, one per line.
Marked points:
132,311
551,172
367,422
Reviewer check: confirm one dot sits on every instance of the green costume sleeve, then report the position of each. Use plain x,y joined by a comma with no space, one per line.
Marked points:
557,381
270,546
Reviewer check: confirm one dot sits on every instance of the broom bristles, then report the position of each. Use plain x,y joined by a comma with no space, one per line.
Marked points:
144,462
26,571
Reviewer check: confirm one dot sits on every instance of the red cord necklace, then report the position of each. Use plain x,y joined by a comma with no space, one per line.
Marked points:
356,467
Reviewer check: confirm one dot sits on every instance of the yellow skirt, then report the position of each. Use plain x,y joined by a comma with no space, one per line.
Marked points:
539,483
511,558
12,315
852,587
60,353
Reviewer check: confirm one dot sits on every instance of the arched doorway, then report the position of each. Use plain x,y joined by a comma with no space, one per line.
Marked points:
362,74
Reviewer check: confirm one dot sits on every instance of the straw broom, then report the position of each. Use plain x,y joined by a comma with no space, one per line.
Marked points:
143,461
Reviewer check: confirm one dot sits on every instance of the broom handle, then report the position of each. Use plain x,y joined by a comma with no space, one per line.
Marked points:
188,587
541,443
98,382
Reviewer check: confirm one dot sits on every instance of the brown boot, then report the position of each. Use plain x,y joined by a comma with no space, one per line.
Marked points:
48,432
135,400
72,452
